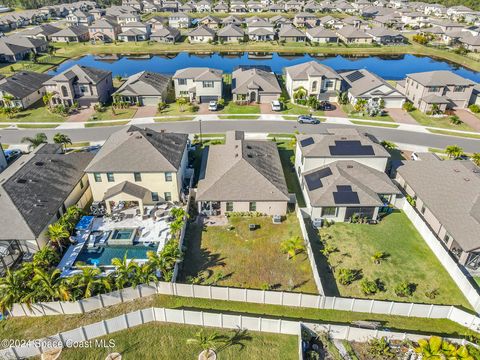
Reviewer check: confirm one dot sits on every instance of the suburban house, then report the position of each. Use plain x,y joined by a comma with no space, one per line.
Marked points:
44,32
105,30
316,150
211,21
255,85
12,53
79,17
74,33
241,176
166,34
82,84
261,30
26,87
352,35
36,191
139,165
305,19
179,20
232,19
344,189
316,79
135,31
144,88
290,33
321,35
362,84
201,34
443,88
447,195
221,7
231,34
198,84
386,36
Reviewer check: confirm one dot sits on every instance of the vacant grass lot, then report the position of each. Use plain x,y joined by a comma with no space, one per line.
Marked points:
174,109
37,113
169,341
248,259
109,114
232,108
442,122
289,108
407,258
348,109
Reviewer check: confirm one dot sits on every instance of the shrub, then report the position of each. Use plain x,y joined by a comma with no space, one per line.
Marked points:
411,200
380,348
347,276
194,108
161,106
455,120
404,289
474,108
408,106
328,249
369,287
432,294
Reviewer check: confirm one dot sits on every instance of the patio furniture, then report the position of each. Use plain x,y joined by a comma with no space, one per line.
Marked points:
252,227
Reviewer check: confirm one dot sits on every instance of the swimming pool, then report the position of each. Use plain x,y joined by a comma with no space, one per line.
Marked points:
122,237
122,234
103,255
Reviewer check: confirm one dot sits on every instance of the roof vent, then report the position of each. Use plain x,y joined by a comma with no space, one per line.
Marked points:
456,170
149,134
39,163
236,155
466,179
21,181
349,166
138,137
39,205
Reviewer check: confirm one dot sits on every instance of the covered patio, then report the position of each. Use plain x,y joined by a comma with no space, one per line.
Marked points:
126,193
10,254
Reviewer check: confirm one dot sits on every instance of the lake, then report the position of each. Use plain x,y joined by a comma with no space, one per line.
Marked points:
388,67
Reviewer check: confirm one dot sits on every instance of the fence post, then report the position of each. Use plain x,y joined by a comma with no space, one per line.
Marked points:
82,309
84,333
15,353
228,293
430,311
353,304
183,315
300,300
410,310
126,320
371,306
154,314
280,326
240,320
263,296
164,315
203,319
281,298
105,326
61,338
391,308
245,298
347,333
333,302
193,291
210,291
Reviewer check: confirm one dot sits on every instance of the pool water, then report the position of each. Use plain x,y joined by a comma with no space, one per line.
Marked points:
122,234
103,255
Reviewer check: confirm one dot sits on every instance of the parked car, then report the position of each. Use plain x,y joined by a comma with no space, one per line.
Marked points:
12,154
308,119
325,105
276,105
213,106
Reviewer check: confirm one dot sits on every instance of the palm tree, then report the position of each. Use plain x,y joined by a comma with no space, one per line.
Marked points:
50,285
62,139
476,159
378,257
8,99
89,282
360,105
70,218
292,246
35,141
57,233
181,103
436,348
47,99
208,343
454,151
125,271
389,145
11,289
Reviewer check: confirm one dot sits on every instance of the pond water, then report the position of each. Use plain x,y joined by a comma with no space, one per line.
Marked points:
388,67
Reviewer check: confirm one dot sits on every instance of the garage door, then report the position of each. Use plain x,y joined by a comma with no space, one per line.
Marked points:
150,100
206,99
393,103
266,99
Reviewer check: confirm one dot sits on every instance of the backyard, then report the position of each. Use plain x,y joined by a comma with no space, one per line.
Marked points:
405,257
169,341
232,255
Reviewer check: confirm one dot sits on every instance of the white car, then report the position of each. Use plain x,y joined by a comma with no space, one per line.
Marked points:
276,105
212,106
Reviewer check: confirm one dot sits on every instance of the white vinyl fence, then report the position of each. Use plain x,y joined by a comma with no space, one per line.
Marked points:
198,318
444,257
250,296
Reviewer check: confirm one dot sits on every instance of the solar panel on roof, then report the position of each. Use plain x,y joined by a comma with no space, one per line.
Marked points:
356,75
314,180
306,142
346,197
344,188
350,147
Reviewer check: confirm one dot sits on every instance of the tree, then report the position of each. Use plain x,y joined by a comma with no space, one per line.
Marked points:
421,39
62,139
208,343
404,289
70,218
378,257
35,141
379,348
182,102
435,110
50,285
360,105
433,348
454,151
299,94
12,289
476,159
292,246
90,281
408,106
369,287
46,258
8,99
10,112
47,99
347,276
343,98
455,120
125,271
162,105
57,233
389,145
312,102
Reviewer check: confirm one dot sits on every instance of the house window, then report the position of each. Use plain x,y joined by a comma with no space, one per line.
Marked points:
329,84
329,211
64,91
154,196
81,184
137,176
167,196
252,206
208,84
97,177
168,176
110,177
314,86
229,206
183,93
459,88
182,81
446,238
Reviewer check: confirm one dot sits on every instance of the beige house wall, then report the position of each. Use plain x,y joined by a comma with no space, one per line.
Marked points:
183,90
292,85
264,207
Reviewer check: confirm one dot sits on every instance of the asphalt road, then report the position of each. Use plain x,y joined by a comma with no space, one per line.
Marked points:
262,126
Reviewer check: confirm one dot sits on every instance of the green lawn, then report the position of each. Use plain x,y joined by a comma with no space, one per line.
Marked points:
408,258
477,279
169,341
37,327
108,114
174,118
102,124
285,149
37,113
36,126
348,109
452,133
173,109
442,122
373,123
247,259
289,108
232,108
237,117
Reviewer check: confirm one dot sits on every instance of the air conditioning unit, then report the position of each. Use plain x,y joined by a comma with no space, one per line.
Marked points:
317,223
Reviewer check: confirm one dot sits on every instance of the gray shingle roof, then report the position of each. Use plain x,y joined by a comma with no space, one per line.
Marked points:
326,184
245,79
144,83
140,150
231,30
202,31
362,81
33,193
321,32
200,73
85,74
74,30
126,187
242,170
290,31
450,189
311,68
439,78
23,83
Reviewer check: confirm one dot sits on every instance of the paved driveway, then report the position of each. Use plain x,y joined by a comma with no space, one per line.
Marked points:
401,116
82,114
267,109
468,118
336,112
145,111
